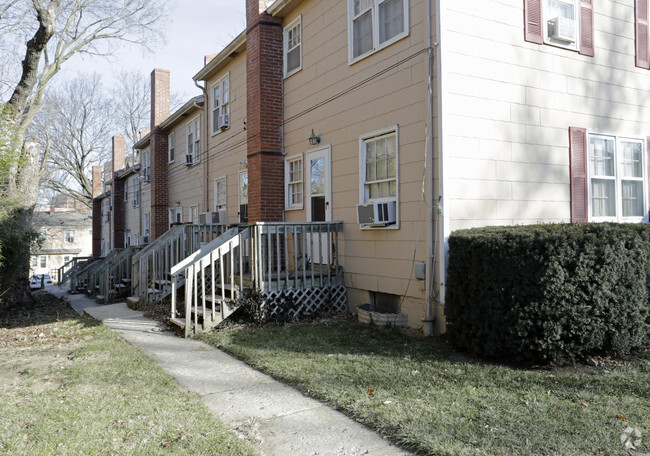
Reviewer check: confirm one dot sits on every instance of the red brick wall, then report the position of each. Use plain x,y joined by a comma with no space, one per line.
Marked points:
158,153
97,211
264,115
118,194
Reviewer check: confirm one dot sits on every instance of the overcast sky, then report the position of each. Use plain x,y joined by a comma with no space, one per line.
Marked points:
196,28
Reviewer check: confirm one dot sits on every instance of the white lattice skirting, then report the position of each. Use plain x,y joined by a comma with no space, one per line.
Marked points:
298,302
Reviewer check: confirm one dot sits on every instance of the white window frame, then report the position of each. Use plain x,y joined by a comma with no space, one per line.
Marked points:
220,105
291,184
146,165
171,147
69,235
34,261
126,191
193,136
240,195
373,8
617,178
43,261
136,192
220,204
146,223
289,33
175,215
193,214
363,192
547,15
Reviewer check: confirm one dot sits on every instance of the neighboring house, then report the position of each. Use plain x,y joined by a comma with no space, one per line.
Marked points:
408,119
64,235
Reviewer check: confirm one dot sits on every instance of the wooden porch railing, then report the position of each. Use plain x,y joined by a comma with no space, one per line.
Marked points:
64,272
150,278
114,273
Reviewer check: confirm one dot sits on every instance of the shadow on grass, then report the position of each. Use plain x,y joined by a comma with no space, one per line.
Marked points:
44,309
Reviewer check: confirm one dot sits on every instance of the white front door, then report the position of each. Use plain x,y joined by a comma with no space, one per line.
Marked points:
318,201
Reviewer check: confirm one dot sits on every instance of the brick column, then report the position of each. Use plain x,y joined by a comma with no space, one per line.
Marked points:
117,194
264,114
158,153
97,211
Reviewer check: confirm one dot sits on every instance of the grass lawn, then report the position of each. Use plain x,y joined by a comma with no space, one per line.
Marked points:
69,386
423,395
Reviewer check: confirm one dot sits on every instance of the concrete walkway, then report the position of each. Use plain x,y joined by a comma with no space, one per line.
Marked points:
277,419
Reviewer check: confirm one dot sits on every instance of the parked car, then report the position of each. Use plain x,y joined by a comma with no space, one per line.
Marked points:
38,278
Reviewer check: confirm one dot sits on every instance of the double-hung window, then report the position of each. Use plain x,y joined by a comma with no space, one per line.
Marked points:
243,196
378,160
609,177
293,178
175,215
193,129
194,214
293,47
616,178
374,24
221,105
642,33
126,191
220,194
146,165
69,235
563,23
171,147
136,192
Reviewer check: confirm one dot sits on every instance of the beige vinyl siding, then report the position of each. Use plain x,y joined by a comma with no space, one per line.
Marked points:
185,183
378,259
227,149
509,105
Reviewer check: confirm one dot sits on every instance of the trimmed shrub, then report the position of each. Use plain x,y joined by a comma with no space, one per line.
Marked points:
549,293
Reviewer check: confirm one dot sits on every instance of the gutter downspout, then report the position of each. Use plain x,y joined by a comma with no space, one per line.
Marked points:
206,169
442,199
430,318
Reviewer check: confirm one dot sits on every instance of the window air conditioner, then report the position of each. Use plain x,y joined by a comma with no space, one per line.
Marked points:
562,29
188,159
224,121
213,218
144,240
377,213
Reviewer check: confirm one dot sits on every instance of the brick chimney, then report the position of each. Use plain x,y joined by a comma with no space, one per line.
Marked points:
160,94
97,211
52,209
264,114
117,195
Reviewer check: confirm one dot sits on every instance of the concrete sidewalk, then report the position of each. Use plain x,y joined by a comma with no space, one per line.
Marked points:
277,419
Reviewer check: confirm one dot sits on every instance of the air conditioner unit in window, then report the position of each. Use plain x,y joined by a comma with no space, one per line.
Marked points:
144,240
213,218
380,213
223,122
188,159
562,29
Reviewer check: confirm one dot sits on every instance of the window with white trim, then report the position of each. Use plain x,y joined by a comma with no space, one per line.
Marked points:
175,215
293,47
146,165
378,166
126,191
69,235
136,192
221,104
171,147
220,194
375,24
294,178
34,261
43,261
193,130
194,214
617,178
243,196
561,18
66,258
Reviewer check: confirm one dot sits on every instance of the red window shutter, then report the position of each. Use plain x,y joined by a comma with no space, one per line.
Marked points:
533,19
578,170
641,33
587,27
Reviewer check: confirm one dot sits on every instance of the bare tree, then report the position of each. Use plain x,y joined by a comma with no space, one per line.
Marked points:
75,130
52,32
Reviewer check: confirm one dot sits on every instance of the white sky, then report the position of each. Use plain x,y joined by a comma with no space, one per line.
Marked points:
196,28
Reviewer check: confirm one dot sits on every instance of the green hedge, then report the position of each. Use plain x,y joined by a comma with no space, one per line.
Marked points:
549,293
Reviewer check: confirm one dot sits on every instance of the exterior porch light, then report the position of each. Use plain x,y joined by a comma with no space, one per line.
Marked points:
313,139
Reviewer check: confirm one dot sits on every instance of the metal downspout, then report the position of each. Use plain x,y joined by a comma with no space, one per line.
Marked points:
206,168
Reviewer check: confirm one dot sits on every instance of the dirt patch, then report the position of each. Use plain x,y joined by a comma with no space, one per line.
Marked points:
37,340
